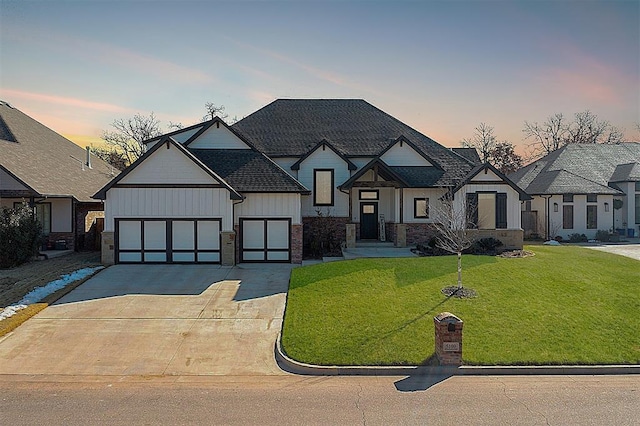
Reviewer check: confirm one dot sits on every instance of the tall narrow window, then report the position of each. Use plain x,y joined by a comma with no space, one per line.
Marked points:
567,216
323,187
421,208
486,210
43,214
592,217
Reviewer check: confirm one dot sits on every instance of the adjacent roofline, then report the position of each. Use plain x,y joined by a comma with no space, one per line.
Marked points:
304,191
20,181
175,132
370,165
168,140
403,139
323,142
474,172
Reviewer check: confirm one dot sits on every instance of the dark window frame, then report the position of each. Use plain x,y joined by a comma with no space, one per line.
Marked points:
592,198
376,191
415,208
592,213
566,223
315,187
567,198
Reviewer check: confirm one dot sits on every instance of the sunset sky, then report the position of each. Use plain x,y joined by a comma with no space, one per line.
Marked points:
441,67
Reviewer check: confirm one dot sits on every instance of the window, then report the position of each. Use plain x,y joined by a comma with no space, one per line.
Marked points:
567,217
421,208
592,217
638,186
323,187
592,198
567,198
43,215
369,195
527,206
486,210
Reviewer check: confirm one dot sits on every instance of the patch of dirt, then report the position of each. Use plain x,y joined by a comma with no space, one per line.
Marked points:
512,254
18,281
460,293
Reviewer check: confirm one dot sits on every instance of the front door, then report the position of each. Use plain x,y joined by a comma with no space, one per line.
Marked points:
368,221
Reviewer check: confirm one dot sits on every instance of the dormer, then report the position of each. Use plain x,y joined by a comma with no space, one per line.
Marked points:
401,152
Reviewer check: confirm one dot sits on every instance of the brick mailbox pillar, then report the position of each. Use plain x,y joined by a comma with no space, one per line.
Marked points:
448,338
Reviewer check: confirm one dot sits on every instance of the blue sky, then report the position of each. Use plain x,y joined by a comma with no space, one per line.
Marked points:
441,67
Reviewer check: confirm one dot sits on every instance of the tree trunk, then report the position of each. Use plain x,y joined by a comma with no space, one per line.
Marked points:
459,270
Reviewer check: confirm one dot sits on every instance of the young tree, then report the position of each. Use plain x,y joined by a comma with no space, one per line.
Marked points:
504,158
129,135
483,140
453,224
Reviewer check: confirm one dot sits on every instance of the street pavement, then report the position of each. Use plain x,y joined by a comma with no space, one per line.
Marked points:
305,400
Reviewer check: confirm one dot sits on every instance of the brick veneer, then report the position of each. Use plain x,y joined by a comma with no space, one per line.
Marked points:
317,230
296,243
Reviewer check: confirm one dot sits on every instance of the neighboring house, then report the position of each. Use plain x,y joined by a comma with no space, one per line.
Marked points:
583,188
254,191
54,175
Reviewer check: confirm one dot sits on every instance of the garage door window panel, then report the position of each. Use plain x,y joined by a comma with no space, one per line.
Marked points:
253,234
130,235
155,235
183,235
208,235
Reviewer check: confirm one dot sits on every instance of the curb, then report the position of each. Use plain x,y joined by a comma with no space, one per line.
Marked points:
292,366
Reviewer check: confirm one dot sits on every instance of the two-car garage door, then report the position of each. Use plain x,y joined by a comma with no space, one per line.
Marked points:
167,240
151,240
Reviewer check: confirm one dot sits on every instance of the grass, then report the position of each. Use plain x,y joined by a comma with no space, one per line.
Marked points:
565,305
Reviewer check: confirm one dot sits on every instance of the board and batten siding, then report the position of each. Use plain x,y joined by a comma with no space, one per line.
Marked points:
410,194
168,166
514,218
168,203
325,159
404,155
604,219
285,163
271,205
218,137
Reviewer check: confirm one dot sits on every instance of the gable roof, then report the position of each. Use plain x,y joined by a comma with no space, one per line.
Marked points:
581,169
470,154
292,127
46,162
323,143
487,166
168,141
248,170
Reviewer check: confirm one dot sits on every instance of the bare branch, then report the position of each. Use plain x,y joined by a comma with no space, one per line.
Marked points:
482,140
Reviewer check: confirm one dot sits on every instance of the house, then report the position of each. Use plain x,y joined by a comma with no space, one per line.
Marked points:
583,188
54,175
254,191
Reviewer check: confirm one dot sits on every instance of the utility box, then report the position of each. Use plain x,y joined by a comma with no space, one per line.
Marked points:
448,328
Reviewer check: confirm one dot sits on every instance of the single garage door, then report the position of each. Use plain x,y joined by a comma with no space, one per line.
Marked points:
265,240
167,240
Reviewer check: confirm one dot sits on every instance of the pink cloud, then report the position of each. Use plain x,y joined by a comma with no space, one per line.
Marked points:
60,100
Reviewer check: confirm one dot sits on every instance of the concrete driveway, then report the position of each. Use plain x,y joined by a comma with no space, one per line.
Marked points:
157,320
629,250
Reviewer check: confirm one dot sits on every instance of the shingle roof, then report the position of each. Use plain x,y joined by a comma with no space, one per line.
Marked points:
248,171
470,154
46,161
581,169
291,127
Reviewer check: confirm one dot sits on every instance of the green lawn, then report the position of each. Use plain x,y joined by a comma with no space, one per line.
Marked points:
565,305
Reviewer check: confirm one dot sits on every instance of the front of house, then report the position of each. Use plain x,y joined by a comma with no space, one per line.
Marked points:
583,189
263,189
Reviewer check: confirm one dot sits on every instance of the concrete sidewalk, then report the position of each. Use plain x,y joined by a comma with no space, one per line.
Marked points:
151,320
632,249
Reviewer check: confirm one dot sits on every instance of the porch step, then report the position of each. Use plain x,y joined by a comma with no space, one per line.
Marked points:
373,244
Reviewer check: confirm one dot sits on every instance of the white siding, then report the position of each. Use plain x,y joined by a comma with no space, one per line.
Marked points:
360,162
325,159
404,156
486,175
435,205
8,183
184,136
168,203
386,203
168,166
514,217
61,214
270,205
218,138
605,219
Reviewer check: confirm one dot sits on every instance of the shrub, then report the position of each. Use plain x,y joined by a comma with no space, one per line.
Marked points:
578,238
602,235
485,246
20,236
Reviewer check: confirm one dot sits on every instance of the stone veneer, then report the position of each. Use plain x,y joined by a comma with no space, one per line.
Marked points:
296,243
108,248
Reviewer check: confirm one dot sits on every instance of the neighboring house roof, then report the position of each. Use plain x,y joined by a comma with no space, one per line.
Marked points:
46,162
169,141
470,154
248,170
581,169
355,128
